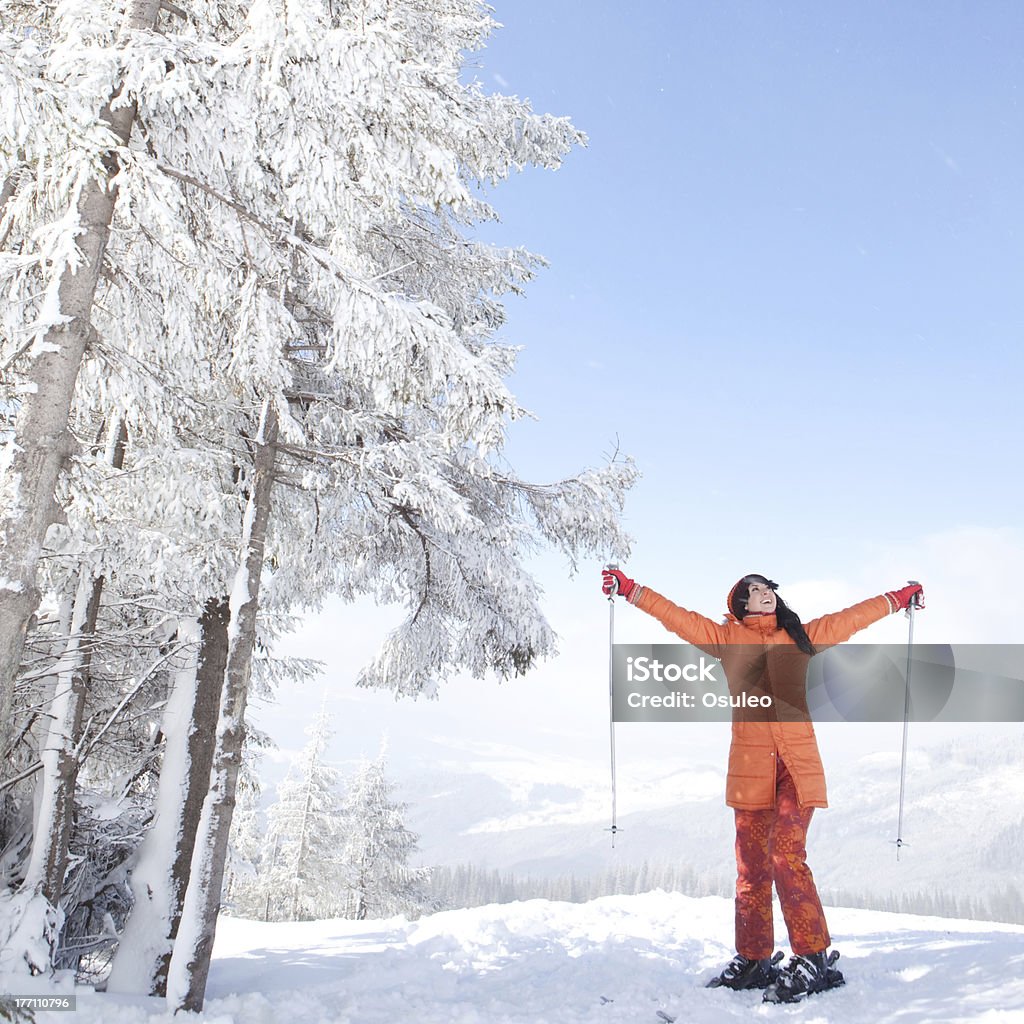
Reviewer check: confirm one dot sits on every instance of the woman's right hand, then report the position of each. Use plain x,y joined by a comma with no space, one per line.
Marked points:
905,596
613,581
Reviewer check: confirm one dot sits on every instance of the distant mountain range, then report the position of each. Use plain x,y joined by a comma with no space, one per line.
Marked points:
963,823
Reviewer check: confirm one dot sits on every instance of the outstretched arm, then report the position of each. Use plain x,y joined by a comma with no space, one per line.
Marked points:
696,629
839,626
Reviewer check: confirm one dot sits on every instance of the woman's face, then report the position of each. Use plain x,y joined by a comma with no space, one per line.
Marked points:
761,599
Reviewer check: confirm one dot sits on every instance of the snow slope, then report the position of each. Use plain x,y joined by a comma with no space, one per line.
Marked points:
965,807
550,963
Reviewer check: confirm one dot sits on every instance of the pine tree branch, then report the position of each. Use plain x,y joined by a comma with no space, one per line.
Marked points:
17,355
284,237
243,211
7,193
166,5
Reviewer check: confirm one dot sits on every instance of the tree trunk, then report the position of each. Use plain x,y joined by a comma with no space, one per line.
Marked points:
144,938
190,962
41,440
60,750
213,657
161,876
300,859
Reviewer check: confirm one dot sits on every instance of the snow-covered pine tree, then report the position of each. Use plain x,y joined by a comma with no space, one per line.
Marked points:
404,397
61,143
378,879
193,944
67,265
301,878
60,752
103,754
290,239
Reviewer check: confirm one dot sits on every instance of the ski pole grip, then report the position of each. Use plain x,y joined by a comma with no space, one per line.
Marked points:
915,601
615,583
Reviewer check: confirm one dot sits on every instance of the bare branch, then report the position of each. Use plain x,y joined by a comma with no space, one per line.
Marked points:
81,753
27,773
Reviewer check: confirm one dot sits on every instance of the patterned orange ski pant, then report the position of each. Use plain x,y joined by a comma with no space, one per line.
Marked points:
771,847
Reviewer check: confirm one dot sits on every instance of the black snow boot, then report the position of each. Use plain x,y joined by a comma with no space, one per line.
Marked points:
803,976
741,972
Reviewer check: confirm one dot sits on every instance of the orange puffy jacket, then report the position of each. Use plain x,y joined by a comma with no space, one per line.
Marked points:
782,670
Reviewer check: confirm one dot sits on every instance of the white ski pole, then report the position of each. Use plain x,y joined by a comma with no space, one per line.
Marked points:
611,695
906,719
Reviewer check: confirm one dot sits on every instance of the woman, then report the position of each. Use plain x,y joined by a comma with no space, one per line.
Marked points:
775,777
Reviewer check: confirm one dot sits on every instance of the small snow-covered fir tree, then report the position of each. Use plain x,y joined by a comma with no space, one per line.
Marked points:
379,881
247,848
300,875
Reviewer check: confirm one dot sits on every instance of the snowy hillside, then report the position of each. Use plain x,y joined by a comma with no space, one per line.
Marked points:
551,963
965,805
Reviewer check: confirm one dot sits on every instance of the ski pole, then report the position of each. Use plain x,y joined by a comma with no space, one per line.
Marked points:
611,694
906,719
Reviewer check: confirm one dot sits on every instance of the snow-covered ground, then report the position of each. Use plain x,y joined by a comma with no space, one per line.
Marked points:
617,959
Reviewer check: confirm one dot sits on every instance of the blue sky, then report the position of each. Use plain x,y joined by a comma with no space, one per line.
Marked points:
786,275
788,265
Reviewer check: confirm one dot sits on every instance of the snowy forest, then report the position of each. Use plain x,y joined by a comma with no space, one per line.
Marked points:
322,849
248,360
470,886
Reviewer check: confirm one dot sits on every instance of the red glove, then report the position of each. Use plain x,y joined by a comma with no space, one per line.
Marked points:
615,582
902,598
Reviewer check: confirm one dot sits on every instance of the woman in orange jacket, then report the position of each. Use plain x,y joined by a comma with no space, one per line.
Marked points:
775,777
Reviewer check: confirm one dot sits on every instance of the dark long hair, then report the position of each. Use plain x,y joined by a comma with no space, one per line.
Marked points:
784,615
